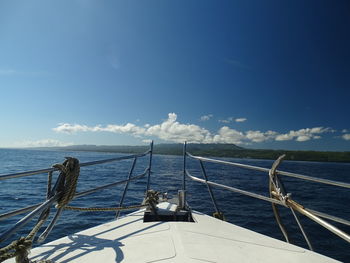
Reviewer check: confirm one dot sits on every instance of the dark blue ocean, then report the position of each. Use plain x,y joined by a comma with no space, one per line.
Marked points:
167,176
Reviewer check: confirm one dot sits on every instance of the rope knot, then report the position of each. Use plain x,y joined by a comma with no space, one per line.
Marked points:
22,247
151,200
70,170
152,197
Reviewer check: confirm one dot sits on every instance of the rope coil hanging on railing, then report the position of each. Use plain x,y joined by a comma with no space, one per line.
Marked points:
70,171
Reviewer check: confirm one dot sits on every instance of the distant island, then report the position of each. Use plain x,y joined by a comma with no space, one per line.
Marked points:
216,150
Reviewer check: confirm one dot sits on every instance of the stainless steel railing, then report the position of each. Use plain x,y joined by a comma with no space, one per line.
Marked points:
40,207
278,196
266,170
43,171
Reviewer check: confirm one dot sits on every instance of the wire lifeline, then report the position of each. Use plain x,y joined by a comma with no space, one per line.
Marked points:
150,201
103,209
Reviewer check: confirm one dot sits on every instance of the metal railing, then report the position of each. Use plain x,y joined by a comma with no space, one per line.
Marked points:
278,195
39,208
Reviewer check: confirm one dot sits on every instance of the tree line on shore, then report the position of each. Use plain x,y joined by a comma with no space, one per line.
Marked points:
219,150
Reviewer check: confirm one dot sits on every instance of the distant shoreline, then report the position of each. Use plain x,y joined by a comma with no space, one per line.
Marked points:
214,150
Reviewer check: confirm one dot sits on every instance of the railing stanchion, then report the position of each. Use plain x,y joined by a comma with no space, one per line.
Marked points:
209,188
149,167
184,168
126,186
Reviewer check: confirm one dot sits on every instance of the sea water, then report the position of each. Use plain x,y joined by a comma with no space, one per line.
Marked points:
167,176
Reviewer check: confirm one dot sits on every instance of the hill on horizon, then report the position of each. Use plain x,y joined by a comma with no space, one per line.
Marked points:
214,150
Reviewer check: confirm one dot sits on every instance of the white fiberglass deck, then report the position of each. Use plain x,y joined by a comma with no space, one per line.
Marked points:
207,239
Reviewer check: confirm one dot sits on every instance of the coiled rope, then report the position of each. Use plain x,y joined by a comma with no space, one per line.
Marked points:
70,170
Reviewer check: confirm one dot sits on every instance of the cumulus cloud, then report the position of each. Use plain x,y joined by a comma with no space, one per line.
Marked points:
206,117
258,136
42,143
232,119
171,130
303,135
228,120
284,137
127,128
346,136
224,121
73,128
174,131
228,135
240,119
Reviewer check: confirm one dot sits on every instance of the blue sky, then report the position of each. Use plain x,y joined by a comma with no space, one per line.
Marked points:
260,74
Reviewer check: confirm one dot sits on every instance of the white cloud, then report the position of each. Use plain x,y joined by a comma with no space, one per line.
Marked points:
240,119
127,128
71,128
206,117
258,136
284,137
231,119
303,138
228,135
303,135
173,131
42,143
169,130
345,131
346,136
228,120
224,121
